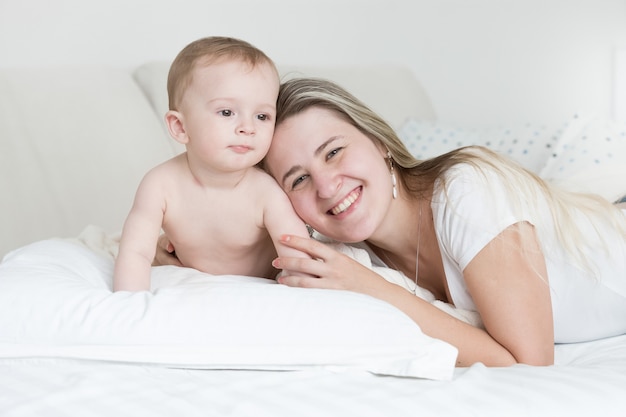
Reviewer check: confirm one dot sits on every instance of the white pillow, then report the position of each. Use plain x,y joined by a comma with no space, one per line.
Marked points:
590,157
528,144
55,301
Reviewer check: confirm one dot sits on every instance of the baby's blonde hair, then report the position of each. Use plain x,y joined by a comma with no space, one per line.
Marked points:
522,186
206,51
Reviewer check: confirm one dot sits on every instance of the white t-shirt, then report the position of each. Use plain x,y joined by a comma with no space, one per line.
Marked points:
470,213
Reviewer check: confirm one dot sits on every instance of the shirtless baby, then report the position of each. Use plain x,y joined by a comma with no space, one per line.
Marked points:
221,212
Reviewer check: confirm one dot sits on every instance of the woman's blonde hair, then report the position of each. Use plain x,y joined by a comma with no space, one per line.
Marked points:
523,187
206,51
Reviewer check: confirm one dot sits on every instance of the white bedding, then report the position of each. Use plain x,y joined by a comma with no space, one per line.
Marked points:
56,302
51,365
588,380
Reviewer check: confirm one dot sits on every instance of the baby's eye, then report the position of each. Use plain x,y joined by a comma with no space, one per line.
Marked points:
263,117
226,113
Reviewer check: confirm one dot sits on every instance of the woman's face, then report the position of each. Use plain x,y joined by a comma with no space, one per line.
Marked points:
337,179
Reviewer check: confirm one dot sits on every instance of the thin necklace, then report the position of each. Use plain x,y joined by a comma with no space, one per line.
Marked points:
417,254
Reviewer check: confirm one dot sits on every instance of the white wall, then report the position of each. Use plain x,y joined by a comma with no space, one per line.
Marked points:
483,62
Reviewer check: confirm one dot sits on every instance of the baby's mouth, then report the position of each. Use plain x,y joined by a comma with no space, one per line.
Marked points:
346,203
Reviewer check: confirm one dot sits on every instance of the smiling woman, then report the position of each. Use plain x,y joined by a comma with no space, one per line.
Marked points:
474,228
319,133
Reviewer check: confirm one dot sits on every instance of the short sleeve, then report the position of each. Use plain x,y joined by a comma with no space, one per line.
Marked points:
470,210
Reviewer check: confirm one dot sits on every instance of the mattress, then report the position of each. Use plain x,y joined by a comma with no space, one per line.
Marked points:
588,379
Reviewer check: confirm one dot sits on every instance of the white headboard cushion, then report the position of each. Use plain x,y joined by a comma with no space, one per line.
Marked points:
76,140
74,143
393,92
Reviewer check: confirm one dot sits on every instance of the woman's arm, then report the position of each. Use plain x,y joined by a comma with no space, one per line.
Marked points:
337,271
508,282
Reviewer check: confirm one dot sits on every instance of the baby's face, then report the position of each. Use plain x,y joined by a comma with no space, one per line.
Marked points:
229,111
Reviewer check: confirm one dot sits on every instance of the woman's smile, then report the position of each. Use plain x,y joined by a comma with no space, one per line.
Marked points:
347,202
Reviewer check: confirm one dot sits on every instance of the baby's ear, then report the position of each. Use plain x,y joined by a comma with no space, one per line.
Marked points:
174,122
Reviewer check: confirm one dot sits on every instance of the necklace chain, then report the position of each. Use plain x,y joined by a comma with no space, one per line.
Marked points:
417,252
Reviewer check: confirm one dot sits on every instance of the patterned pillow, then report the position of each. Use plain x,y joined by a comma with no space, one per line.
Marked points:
590,156
528,144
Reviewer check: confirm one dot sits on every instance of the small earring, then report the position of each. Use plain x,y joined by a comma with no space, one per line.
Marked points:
394,189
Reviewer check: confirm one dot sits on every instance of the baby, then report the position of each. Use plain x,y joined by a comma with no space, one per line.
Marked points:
221,212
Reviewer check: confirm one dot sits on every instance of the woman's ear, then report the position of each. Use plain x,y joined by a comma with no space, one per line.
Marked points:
174,122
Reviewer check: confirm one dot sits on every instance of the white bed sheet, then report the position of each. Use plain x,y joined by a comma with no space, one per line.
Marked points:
589,379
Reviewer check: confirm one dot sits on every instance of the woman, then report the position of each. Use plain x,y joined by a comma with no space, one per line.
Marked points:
539,265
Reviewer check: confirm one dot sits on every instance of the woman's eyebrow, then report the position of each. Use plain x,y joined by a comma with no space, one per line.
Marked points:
317,152
289,173
324,145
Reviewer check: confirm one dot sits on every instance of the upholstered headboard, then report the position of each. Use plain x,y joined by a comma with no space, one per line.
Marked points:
75,142
393,92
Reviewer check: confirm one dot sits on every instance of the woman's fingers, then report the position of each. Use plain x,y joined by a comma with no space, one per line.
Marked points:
165,244
312,267
334,269
312,247
163,257
300,281
165,253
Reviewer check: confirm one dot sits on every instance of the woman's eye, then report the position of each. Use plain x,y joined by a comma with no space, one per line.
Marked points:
333,152
298,181
226,113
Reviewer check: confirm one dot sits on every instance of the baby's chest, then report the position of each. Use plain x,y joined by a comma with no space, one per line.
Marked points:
241,204
228,221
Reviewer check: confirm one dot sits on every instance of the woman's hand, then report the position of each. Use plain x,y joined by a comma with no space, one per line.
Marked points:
165,254
333,269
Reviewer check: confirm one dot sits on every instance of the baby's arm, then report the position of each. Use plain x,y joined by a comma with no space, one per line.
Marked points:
139,236
281,219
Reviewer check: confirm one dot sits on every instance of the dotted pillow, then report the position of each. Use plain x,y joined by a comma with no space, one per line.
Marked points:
590,156
528,144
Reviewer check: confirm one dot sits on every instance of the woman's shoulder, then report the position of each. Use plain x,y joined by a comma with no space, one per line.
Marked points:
475,191
470,176
476,161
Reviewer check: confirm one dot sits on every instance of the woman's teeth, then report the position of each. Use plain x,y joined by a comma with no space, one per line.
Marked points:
345,204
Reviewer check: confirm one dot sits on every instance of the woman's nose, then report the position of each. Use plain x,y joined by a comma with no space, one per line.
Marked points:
327,184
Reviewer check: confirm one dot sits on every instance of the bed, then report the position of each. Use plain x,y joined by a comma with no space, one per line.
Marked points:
75,142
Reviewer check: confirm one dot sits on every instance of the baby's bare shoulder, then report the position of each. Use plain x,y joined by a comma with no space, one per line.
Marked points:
262,181
268,194
173,170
